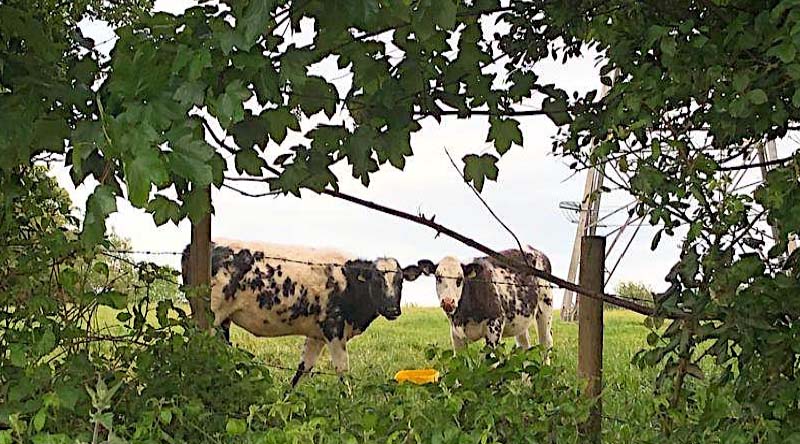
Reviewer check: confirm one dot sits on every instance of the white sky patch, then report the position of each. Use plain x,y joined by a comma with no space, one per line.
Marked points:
532,182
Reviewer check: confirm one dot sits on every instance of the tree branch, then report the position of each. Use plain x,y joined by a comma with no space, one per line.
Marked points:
248,194
757,164
513,264
486,205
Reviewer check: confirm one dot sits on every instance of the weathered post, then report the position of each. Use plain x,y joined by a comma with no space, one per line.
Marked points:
200,268
590,332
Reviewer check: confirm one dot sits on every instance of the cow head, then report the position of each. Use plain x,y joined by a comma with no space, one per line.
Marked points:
373,282
391,276
450,275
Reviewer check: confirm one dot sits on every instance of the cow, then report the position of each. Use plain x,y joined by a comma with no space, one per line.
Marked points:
325,295
484,299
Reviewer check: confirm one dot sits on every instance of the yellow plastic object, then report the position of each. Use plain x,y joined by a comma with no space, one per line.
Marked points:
421,376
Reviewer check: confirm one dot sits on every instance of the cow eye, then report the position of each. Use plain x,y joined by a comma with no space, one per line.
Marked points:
438,279
459,281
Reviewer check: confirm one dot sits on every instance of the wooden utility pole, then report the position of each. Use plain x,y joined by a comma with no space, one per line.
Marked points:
200,268
587,225
590,333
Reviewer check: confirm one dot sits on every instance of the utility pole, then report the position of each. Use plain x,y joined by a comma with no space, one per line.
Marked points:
587,225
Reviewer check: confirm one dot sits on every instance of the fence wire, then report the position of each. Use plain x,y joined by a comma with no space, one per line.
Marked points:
340,265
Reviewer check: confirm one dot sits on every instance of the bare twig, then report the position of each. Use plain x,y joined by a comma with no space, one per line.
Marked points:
756,164
486,205
624,250
248,194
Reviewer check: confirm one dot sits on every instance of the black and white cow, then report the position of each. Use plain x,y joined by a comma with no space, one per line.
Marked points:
483,299
277,290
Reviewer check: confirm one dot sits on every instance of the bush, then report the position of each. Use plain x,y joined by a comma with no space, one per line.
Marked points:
638,292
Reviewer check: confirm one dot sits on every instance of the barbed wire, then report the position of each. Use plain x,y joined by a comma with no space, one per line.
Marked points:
646,302
341,265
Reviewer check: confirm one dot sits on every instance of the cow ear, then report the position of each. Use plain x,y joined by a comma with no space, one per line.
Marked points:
427,267
412,272
471,270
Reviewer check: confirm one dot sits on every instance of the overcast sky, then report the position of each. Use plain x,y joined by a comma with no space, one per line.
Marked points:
531,184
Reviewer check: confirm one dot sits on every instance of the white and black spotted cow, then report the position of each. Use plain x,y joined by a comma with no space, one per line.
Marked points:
483,299
255,289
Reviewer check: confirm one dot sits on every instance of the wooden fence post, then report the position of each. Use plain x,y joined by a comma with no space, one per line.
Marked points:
200,268
590,332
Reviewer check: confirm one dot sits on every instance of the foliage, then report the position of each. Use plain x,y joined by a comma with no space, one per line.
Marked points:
695,88
634,291
51,288
138,280
699,86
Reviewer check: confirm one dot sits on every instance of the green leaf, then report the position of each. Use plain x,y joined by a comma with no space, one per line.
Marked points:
190,93
165,416
786,51
253,21
757,97
39,419
796,98
446,13
267,84
668,46
504,132
100,204
656,239
315,95
248,161
124,316
294,63
278,121
46,343
478,168
68,396
200,61
145,169
253,130
556,110
235,426
163,210
229,107
113,299
740,81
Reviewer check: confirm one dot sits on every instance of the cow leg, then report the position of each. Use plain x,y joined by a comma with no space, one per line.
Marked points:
225,327
459,340
338,350
494,332
544,322
311,352
523,340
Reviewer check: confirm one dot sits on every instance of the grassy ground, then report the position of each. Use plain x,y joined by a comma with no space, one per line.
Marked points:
386,347
390,346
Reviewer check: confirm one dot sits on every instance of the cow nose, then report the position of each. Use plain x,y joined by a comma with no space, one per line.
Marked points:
392,313
448,305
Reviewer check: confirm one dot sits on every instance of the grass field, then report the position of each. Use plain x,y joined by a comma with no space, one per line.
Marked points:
387,347
390,346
